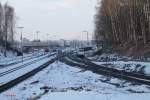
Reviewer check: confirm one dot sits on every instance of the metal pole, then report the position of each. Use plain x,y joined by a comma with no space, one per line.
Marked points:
47,39
37,33
21,28
48,44
38,40
87,37
6,25
21,46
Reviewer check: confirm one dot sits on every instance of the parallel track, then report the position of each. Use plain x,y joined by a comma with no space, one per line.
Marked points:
16,81
21,66
103,70
16,62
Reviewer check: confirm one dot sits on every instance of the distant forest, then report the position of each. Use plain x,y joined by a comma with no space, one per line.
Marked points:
124,25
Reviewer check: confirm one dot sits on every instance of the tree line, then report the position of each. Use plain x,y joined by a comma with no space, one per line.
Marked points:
120,22
7,25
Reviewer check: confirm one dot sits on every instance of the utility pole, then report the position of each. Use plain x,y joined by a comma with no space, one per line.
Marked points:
37,40
48,44
6,22
64,42
6,32
21,38
87,37
48,39
37,35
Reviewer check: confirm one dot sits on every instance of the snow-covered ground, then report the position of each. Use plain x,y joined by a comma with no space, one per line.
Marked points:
94,96
14,59
9,54
11,76
109,57
130,66
122,63
62,82
19,64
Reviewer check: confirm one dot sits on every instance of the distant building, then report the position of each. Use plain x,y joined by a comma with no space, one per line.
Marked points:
36,41
25,40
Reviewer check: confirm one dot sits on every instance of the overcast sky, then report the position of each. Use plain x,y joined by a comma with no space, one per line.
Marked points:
62,19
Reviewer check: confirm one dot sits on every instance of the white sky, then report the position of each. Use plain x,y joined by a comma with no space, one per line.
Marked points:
62,19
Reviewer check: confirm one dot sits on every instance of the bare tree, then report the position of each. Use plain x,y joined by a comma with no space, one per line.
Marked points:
1,23
119,22
9,23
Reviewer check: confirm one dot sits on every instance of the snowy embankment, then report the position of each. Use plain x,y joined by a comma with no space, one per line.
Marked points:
20,64
9,54
94,96
62,82
122,63
13,75
12,60
130,66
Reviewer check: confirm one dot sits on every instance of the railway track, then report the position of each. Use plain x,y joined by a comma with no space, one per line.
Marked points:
19,79
107,71
22,66
17,60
